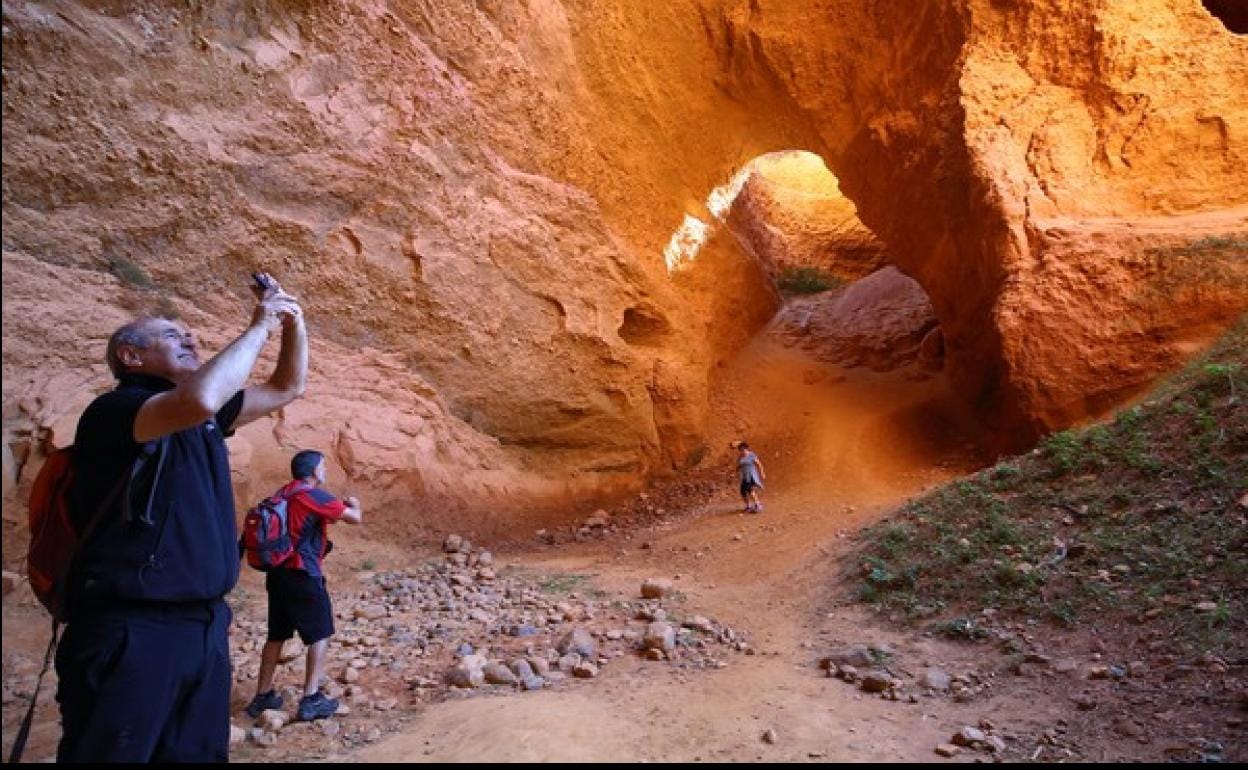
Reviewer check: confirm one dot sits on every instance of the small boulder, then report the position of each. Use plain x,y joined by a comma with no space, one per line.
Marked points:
578,640
656,588
497,673
876,681
968,736
660,636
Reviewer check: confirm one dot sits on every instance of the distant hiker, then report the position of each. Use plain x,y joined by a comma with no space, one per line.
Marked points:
751,473
144,666
298,598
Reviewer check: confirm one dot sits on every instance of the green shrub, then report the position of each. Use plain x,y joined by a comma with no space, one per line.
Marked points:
806,280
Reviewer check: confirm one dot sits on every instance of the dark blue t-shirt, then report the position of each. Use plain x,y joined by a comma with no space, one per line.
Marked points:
188,549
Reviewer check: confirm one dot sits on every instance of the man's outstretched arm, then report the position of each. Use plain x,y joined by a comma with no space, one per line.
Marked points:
289,379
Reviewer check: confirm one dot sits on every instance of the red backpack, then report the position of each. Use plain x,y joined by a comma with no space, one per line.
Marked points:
54,537
266,536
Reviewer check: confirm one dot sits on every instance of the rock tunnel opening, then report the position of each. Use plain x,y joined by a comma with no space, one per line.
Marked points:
844,299
851,363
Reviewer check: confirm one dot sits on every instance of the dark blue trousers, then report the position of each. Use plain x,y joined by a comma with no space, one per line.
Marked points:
145,683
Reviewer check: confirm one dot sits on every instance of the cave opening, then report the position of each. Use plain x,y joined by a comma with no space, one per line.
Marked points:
848,373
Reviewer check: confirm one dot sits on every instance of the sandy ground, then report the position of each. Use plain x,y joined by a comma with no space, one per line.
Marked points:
841,448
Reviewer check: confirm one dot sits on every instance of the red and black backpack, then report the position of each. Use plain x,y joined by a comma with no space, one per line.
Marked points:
266,538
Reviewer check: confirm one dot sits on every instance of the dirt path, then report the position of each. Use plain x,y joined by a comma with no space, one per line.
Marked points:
840,448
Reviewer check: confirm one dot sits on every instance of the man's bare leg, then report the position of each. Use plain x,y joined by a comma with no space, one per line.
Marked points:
314,667
269,658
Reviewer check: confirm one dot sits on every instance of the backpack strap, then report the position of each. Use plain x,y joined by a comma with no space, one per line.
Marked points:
157,448
123,484
19,743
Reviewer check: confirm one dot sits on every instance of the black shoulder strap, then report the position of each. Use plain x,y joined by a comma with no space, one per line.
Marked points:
122,487
23,733
159,448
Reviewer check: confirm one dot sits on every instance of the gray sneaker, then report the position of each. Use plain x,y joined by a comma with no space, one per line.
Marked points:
263,702
318,706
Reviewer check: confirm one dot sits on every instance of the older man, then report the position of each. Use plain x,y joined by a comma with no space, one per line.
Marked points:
144,666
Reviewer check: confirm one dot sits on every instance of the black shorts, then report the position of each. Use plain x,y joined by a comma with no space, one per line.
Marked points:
298,602
748,486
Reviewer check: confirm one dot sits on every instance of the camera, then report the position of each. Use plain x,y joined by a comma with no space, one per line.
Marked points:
263,282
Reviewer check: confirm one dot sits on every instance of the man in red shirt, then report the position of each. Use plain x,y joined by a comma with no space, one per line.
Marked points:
298,599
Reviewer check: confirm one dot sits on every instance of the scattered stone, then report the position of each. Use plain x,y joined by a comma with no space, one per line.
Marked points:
699,623
370,612
656,588
541,666
968,736
272,720
876,681
585,670
1205,607
533,683
261,737
994,744
497,673
857,656
935,679
468,673
578,640
466,678
660,636
770,737
237,735
947,750
452,543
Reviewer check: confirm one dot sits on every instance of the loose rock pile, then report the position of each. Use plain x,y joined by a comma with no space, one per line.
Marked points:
661,504
457,626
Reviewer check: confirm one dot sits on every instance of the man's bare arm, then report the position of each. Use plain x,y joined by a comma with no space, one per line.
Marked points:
289,379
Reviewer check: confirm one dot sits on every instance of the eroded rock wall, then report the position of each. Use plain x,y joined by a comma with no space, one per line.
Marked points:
472,200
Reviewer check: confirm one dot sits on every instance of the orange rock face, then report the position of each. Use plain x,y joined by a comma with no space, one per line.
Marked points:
474,204
790,213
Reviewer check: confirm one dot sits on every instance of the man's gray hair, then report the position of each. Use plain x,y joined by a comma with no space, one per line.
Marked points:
133,334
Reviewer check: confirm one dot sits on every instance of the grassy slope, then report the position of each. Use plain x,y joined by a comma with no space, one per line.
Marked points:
1135,520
